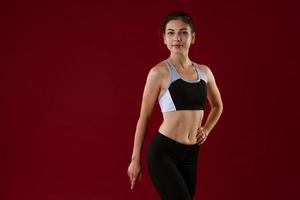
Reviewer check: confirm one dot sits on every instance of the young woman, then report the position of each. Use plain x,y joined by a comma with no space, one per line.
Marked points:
181,86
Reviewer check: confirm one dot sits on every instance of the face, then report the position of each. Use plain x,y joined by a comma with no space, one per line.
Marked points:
178,36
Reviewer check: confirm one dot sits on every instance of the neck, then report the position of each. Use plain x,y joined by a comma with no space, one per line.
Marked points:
180,60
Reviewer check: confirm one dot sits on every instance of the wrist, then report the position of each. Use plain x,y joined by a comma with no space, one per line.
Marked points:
135,158
205,131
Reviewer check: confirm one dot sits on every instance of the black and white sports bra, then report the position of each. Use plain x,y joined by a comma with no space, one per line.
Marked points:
181,94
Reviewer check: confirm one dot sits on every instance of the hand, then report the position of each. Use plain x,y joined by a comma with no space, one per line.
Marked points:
201,135
134,171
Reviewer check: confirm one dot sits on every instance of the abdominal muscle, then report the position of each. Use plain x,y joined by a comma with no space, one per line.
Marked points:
181,125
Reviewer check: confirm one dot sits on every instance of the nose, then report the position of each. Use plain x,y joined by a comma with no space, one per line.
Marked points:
177,37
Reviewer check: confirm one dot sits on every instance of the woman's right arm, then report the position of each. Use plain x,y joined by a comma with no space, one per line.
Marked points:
150,94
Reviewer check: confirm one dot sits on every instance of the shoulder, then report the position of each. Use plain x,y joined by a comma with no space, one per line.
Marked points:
158,71
203,67
207,71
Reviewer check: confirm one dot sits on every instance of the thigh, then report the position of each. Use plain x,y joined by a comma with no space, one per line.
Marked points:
167,178
188,169
189,174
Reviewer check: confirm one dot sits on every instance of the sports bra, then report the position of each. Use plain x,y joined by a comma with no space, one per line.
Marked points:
181,94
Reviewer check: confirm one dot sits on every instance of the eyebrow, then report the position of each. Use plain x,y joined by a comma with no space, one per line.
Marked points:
169,29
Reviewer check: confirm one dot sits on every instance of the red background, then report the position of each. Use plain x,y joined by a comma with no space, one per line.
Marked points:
72,79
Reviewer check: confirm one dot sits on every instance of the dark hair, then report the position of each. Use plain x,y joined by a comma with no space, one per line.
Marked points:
185,17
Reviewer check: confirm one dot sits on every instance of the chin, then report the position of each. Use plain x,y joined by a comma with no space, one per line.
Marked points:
177,52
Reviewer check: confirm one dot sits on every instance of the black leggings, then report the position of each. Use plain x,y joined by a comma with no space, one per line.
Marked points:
172,167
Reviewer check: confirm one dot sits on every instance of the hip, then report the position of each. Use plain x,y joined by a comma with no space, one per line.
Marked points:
162,146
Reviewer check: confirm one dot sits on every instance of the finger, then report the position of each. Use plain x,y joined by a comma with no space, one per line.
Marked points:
199,142
202,141
130,176
198,136
200,133
131,179
132,182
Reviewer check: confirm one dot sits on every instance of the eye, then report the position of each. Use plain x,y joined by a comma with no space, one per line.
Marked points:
170,33
184,32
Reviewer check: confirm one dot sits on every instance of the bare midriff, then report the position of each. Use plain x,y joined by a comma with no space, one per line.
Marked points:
181,125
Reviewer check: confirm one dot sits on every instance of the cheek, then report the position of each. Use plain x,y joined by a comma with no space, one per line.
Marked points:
168,40
187,37
189,40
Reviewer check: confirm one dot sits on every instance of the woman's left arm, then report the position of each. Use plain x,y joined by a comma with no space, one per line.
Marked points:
215,101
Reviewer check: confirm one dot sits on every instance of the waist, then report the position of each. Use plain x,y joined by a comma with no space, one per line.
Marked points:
173,143
181,126
181,138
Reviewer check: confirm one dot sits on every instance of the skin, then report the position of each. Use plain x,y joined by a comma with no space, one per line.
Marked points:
183,126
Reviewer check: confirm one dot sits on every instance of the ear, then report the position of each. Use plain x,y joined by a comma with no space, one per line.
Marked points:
193,37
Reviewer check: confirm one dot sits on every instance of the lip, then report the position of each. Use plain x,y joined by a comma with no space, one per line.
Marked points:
177,45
